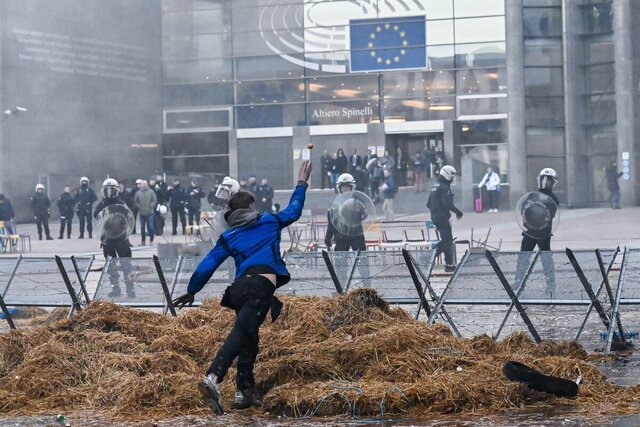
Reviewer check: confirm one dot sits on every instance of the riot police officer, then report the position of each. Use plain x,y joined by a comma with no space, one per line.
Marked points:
441,205
176,205
85,198
66,206
115,241
40,204
344,184
531,238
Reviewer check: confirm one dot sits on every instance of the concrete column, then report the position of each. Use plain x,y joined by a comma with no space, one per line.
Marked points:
516,104
449,142
626,96
233,152
576,144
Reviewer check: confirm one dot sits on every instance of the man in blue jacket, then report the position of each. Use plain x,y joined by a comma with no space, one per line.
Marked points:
253,240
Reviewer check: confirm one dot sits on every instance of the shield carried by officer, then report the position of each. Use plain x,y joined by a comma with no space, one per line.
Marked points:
351,213
115,222
537,215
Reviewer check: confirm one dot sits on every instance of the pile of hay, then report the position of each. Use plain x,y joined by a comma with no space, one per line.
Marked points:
351,354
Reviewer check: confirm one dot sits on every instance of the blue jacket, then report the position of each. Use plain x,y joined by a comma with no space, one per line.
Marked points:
252,245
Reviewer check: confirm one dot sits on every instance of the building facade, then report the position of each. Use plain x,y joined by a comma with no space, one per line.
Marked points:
514,84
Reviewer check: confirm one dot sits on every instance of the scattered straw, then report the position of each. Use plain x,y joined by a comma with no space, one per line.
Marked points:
346,355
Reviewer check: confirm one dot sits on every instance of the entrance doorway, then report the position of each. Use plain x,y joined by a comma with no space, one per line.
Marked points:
410,144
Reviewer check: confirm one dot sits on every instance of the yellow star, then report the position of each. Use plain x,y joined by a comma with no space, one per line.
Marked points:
402,33
388,61
395,28
402,51
387,26
372,36
396,58
373,53
378,28
379,60
404,43
370,44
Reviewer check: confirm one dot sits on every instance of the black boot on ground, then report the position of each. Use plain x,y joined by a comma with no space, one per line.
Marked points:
115,292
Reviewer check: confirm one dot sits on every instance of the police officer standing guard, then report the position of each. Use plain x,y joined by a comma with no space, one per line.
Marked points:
40,204
85,198
66,204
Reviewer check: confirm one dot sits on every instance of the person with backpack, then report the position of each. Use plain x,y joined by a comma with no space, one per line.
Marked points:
389,190
492,181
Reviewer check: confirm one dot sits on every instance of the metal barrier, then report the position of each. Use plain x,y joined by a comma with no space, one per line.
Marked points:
43,282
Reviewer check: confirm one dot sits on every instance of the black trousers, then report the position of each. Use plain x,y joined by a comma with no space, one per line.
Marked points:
194,215
446,239
158,225
66,220
354,243
250,297
324,176
527,245
175,212
42,221
85,217
119,249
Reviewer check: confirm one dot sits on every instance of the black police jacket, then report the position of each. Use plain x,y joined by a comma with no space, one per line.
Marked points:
40,204
85,198
176,197
441,200
66,203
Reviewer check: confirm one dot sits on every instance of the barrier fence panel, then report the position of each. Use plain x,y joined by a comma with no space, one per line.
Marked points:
475,299
556,300
7,268
134,282
37,281
309,275
221,278
628,295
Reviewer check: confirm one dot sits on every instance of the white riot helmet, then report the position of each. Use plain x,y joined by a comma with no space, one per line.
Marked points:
547,179
110,188
162,209
84,179
228,188
39,187
346,179
448,172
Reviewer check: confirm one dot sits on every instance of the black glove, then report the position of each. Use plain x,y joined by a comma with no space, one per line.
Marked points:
459,215
181,301
327,242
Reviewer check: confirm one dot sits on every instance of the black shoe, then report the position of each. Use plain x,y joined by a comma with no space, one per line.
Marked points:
536,380
90,236
174,233
245,399
134,232
39,237
449,268
115,292
61,237
49,238
81,236
210,389
69,236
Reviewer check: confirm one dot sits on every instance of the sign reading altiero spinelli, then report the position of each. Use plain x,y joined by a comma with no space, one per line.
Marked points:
342,112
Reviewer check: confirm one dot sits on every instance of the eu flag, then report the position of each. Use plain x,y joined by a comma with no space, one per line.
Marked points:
388,43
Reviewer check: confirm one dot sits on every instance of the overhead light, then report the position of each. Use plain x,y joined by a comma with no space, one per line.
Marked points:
414,103
394,119
465,128
346,93
184,121
441,107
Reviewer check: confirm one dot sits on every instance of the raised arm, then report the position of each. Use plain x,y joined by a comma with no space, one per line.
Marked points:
293,211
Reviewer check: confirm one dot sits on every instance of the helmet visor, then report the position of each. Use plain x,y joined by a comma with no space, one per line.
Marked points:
223,192
110,192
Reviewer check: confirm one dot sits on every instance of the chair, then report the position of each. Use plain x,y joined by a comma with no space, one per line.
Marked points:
387,243
431,226
419,242
16,242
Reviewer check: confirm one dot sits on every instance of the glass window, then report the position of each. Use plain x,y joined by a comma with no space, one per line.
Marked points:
475,106
418,85
603,141
197,94
598,18
544,111
600,51
201,164
434,108
480,55
438,9
543,81
481,80
484,156
542,52
601,108
195,144
545,141
270,91
343,87
331,113
542,2
202,46
196,71
260,116
466,8
601,78
197,119
473,30
542,22
440,57
481,132
439,32
266,67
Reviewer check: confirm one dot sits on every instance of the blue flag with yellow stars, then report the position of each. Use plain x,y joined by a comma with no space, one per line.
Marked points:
388,43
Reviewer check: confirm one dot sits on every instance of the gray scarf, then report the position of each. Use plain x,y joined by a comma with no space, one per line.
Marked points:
240,217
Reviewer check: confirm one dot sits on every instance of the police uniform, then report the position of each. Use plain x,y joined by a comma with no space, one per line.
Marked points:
441,205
